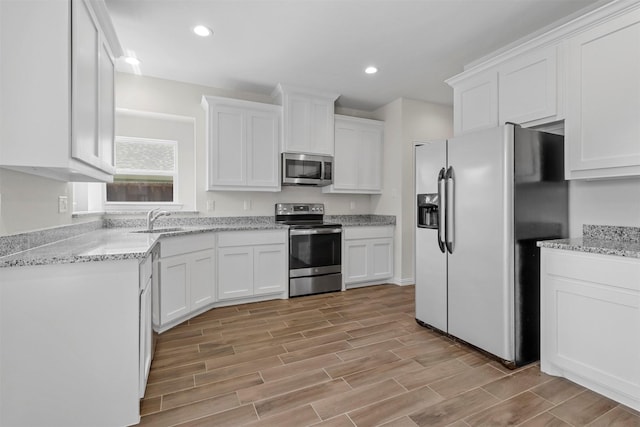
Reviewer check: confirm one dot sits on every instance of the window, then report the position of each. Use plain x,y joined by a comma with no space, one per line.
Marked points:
146,171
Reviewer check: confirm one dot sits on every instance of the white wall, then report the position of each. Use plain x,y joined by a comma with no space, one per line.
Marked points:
406,121
152,95
603,202
29,202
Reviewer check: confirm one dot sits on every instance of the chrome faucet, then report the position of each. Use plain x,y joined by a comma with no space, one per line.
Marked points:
153,215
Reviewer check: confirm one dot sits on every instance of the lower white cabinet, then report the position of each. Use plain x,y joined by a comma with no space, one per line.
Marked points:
252,263
70,343
367,255
187,277
590,321
146,333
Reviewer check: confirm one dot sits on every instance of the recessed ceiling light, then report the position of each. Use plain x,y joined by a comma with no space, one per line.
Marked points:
131,60
202,31
371,70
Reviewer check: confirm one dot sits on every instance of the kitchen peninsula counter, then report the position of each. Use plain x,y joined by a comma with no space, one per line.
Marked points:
603,240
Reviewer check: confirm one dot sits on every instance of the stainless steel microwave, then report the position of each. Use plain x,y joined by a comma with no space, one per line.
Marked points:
306,169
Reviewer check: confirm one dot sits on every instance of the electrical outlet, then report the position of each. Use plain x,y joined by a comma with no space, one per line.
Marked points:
63,204
352,205
247,205
211,205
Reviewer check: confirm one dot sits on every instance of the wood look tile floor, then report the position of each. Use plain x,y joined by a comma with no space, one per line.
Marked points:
354,358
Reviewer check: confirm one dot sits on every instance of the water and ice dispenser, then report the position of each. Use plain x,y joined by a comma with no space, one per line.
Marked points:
428,206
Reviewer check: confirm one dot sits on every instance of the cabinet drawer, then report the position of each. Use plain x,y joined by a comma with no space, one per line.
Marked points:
245,238
178,245
373,232
611,270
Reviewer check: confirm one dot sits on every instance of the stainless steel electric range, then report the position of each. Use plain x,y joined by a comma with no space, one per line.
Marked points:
315,249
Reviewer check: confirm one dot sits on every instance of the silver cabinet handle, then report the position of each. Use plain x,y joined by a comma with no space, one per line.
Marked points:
306,232
450,202
441,209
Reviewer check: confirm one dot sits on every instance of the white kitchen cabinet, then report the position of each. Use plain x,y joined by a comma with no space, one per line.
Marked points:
590,314
358,156
602,127
522,89
475,102
252,263
367,255
307,120
527,87
243,140
146,331
62,98
187,278
69,335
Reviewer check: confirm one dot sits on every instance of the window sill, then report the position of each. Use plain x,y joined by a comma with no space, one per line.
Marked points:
112,207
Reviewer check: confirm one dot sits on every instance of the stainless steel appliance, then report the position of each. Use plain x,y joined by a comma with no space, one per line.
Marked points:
315,249
307,169
498,191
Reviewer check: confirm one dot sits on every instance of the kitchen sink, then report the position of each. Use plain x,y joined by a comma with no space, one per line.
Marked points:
159,230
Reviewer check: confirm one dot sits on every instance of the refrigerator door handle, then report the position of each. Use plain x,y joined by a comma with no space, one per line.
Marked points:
441,209
449,210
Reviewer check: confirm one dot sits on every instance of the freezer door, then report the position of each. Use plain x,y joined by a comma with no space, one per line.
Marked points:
430,263
480,292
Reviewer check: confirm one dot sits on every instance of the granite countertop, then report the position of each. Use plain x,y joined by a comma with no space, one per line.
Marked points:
113,244
113,238
605,240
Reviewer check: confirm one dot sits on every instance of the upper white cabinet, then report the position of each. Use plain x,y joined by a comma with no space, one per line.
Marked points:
522,89
527,87
307,120
58,103
242,144
602,126
475,102
358,156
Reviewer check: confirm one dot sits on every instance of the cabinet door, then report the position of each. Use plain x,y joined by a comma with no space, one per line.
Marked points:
347,155
202,279
370,164
227,156
235,272
145,336
603,100
475,103
322,127
590,312
106,108
527,87
270,274
263,139
174,288
85,84
381,252
356,261
308,124
298,124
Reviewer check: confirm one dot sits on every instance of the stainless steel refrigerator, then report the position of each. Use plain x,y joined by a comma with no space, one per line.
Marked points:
483,201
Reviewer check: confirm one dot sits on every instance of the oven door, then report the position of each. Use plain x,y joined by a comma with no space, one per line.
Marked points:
315,251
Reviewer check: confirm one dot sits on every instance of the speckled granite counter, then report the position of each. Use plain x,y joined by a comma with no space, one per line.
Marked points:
361,220
109,244
113,238
601,239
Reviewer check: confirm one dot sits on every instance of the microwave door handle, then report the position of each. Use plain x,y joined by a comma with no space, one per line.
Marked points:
441,209
450,213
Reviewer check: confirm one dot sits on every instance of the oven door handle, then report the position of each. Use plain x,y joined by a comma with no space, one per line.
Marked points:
306,232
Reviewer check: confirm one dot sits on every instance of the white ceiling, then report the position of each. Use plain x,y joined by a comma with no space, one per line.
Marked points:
326,44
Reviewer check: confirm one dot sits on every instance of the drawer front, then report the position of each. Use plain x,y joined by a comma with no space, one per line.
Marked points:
171,246
621,272
368,232
252,237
